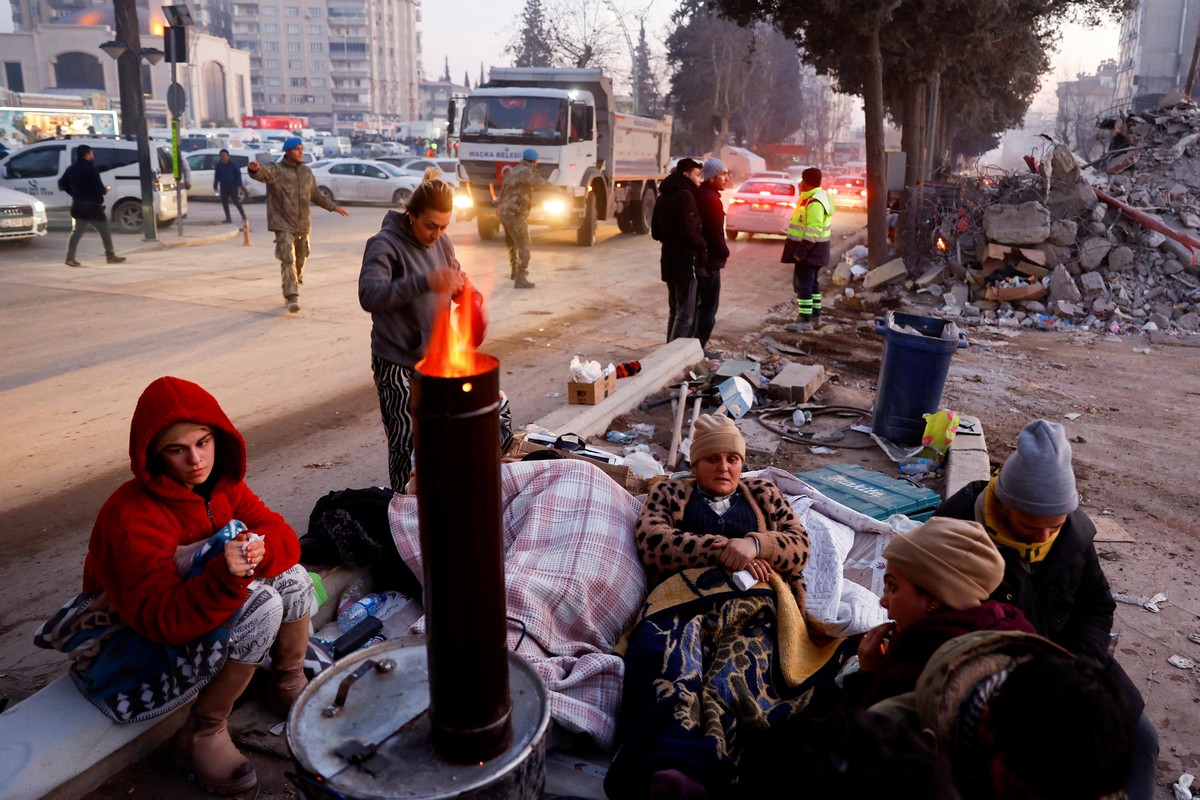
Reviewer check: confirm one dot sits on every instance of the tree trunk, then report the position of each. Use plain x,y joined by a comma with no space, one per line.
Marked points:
912,134
876,181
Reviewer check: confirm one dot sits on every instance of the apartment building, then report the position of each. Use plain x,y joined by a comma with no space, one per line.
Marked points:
1157,40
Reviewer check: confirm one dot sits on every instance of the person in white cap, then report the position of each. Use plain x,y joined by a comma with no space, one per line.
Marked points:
1051,570
290,188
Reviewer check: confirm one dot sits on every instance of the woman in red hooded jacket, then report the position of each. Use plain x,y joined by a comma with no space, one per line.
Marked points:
251,599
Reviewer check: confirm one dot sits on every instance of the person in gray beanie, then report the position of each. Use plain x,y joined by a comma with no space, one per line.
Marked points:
715,179
1051,570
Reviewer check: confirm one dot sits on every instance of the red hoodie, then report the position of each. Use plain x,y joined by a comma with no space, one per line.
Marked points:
132,550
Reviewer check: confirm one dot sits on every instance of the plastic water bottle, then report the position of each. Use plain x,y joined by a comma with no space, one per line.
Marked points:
362,608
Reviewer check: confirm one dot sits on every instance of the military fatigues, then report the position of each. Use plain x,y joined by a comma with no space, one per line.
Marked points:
516,196
290,190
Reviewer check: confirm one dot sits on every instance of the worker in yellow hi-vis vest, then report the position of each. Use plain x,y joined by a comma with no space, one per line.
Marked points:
807,248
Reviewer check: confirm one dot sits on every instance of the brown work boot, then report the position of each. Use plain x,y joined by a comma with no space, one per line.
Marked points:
204,744
522,281
287,666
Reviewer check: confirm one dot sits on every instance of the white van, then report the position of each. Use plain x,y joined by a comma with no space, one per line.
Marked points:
203,162
36,168
336,146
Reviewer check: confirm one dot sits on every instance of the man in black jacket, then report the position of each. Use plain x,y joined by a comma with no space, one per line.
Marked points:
1051,570
676,223
712,219
82,181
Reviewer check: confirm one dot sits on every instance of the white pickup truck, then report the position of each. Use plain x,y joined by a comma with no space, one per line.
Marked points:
601,164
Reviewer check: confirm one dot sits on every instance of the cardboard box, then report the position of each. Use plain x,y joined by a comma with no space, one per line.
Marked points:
1015,294
589,394
623,475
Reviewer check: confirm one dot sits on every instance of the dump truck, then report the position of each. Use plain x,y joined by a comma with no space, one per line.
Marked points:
601,164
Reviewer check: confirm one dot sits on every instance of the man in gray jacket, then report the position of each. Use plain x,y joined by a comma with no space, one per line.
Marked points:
290,188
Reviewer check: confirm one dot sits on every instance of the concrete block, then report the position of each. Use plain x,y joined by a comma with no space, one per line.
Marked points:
761,444
931,276
796,383
967,460
1092,252
1062,286
55,744
1093,285
658,369
893,270
1027,223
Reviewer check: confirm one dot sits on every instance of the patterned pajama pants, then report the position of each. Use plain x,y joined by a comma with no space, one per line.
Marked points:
273,601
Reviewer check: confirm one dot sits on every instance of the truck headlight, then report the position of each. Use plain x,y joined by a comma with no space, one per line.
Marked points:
463,200
554,206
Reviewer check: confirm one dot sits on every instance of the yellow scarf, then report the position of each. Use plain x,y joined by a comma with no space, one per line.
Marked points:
997,527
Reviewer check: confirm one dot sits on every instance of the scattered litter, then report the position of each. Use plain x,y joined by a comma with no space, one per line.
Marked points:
801,417
1194,637
1072,416
553,394
860,428
620,437
323,464
1183,787
643,429
1148,603
278,729
1181,662
529,340
1144,350
821,450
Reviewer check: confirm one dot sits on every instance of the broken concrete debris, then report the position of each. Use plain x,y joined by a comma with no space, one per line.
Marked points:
1110,246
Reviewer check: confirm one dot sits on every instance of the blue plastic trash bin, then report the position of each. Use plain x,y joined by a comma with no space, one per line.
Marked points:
911,376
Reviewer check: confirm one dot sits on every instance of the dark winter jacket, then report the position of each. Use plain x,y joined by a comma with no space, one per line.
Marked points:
83,183
910,649
227,177
676,223
394,286
131,555
712,220
1066,595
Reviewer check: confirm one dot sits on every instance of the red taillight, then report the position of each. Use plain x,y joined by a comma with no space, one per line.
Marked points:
863,193
784,204
738,201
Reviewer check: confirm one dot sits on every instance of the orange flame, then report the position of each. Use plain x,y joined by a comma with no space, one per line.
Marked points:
455,336
941,244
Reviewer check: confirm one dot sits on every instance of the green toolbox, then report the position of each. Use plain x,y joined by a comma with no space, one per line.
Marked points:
872,493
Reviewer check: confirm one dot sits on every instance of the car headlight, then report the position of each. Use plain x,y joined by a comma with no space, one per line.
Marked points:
554,206
39,211
463,200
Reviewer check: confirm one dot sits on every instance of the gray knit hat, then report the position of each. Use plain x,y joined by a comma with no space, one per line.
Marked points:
712,168
1037,479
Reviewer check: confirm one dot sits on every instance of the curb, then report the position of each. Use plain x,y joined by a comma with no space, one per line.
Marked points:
967,460
193,242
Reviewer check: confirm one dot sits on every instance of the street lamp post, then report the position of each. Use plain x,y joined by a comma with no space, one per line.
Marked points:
127,50
175,44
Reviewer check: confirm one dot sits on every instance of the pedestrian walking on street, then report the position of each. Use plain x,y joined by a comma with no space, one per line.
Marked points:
716,179
291,187
83,183
807,248
410,274
676,223
516,197
227,180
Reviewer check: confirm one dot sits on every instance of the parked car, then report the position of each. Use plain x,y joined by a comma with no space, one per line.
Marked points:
447,166
36,169
368,150
399,160
848,191
22,217
763,204
203,162
335,146
357,180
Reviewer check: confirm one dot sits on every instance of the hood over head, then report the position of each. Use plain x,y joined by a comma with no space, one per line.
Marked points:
169,401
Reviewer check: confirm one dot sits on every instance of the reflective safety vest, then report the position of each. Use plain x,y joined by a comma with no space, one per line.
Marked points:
813,218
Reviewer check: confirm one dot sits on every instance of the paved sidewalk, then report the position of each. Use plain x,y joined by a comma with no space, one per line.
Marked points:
195,234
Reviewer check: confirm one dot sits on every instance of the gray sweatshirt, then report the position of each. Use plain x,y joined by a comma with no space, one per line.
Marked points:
393,286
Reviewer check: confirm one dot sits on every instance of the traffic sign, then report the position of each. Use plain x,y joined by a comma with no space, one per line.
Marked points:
176,99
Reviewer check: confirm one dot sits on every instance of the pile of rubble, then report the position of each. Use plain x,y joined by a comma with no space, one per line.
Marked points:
1110,245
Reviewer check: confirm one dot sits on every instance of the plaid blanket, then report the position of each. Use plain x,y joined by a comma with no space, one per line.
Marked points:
573,579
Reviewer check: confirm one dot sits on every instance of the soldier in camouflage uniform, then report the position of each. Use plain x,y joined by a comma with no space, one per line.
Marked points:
515,197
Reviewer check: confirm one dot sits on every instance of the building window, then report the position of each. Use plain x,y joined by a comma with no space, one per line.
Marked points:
314,12
298,83
316,47
293,30
13,76
274,82
317,65
292,11
270,27
293,47
277,99
271,47
271,63
319,99
295,63
269,11
315,30
316,82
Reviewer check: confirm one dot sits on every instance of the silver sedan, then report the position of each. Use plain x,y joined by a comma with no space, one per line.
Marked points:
357,180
